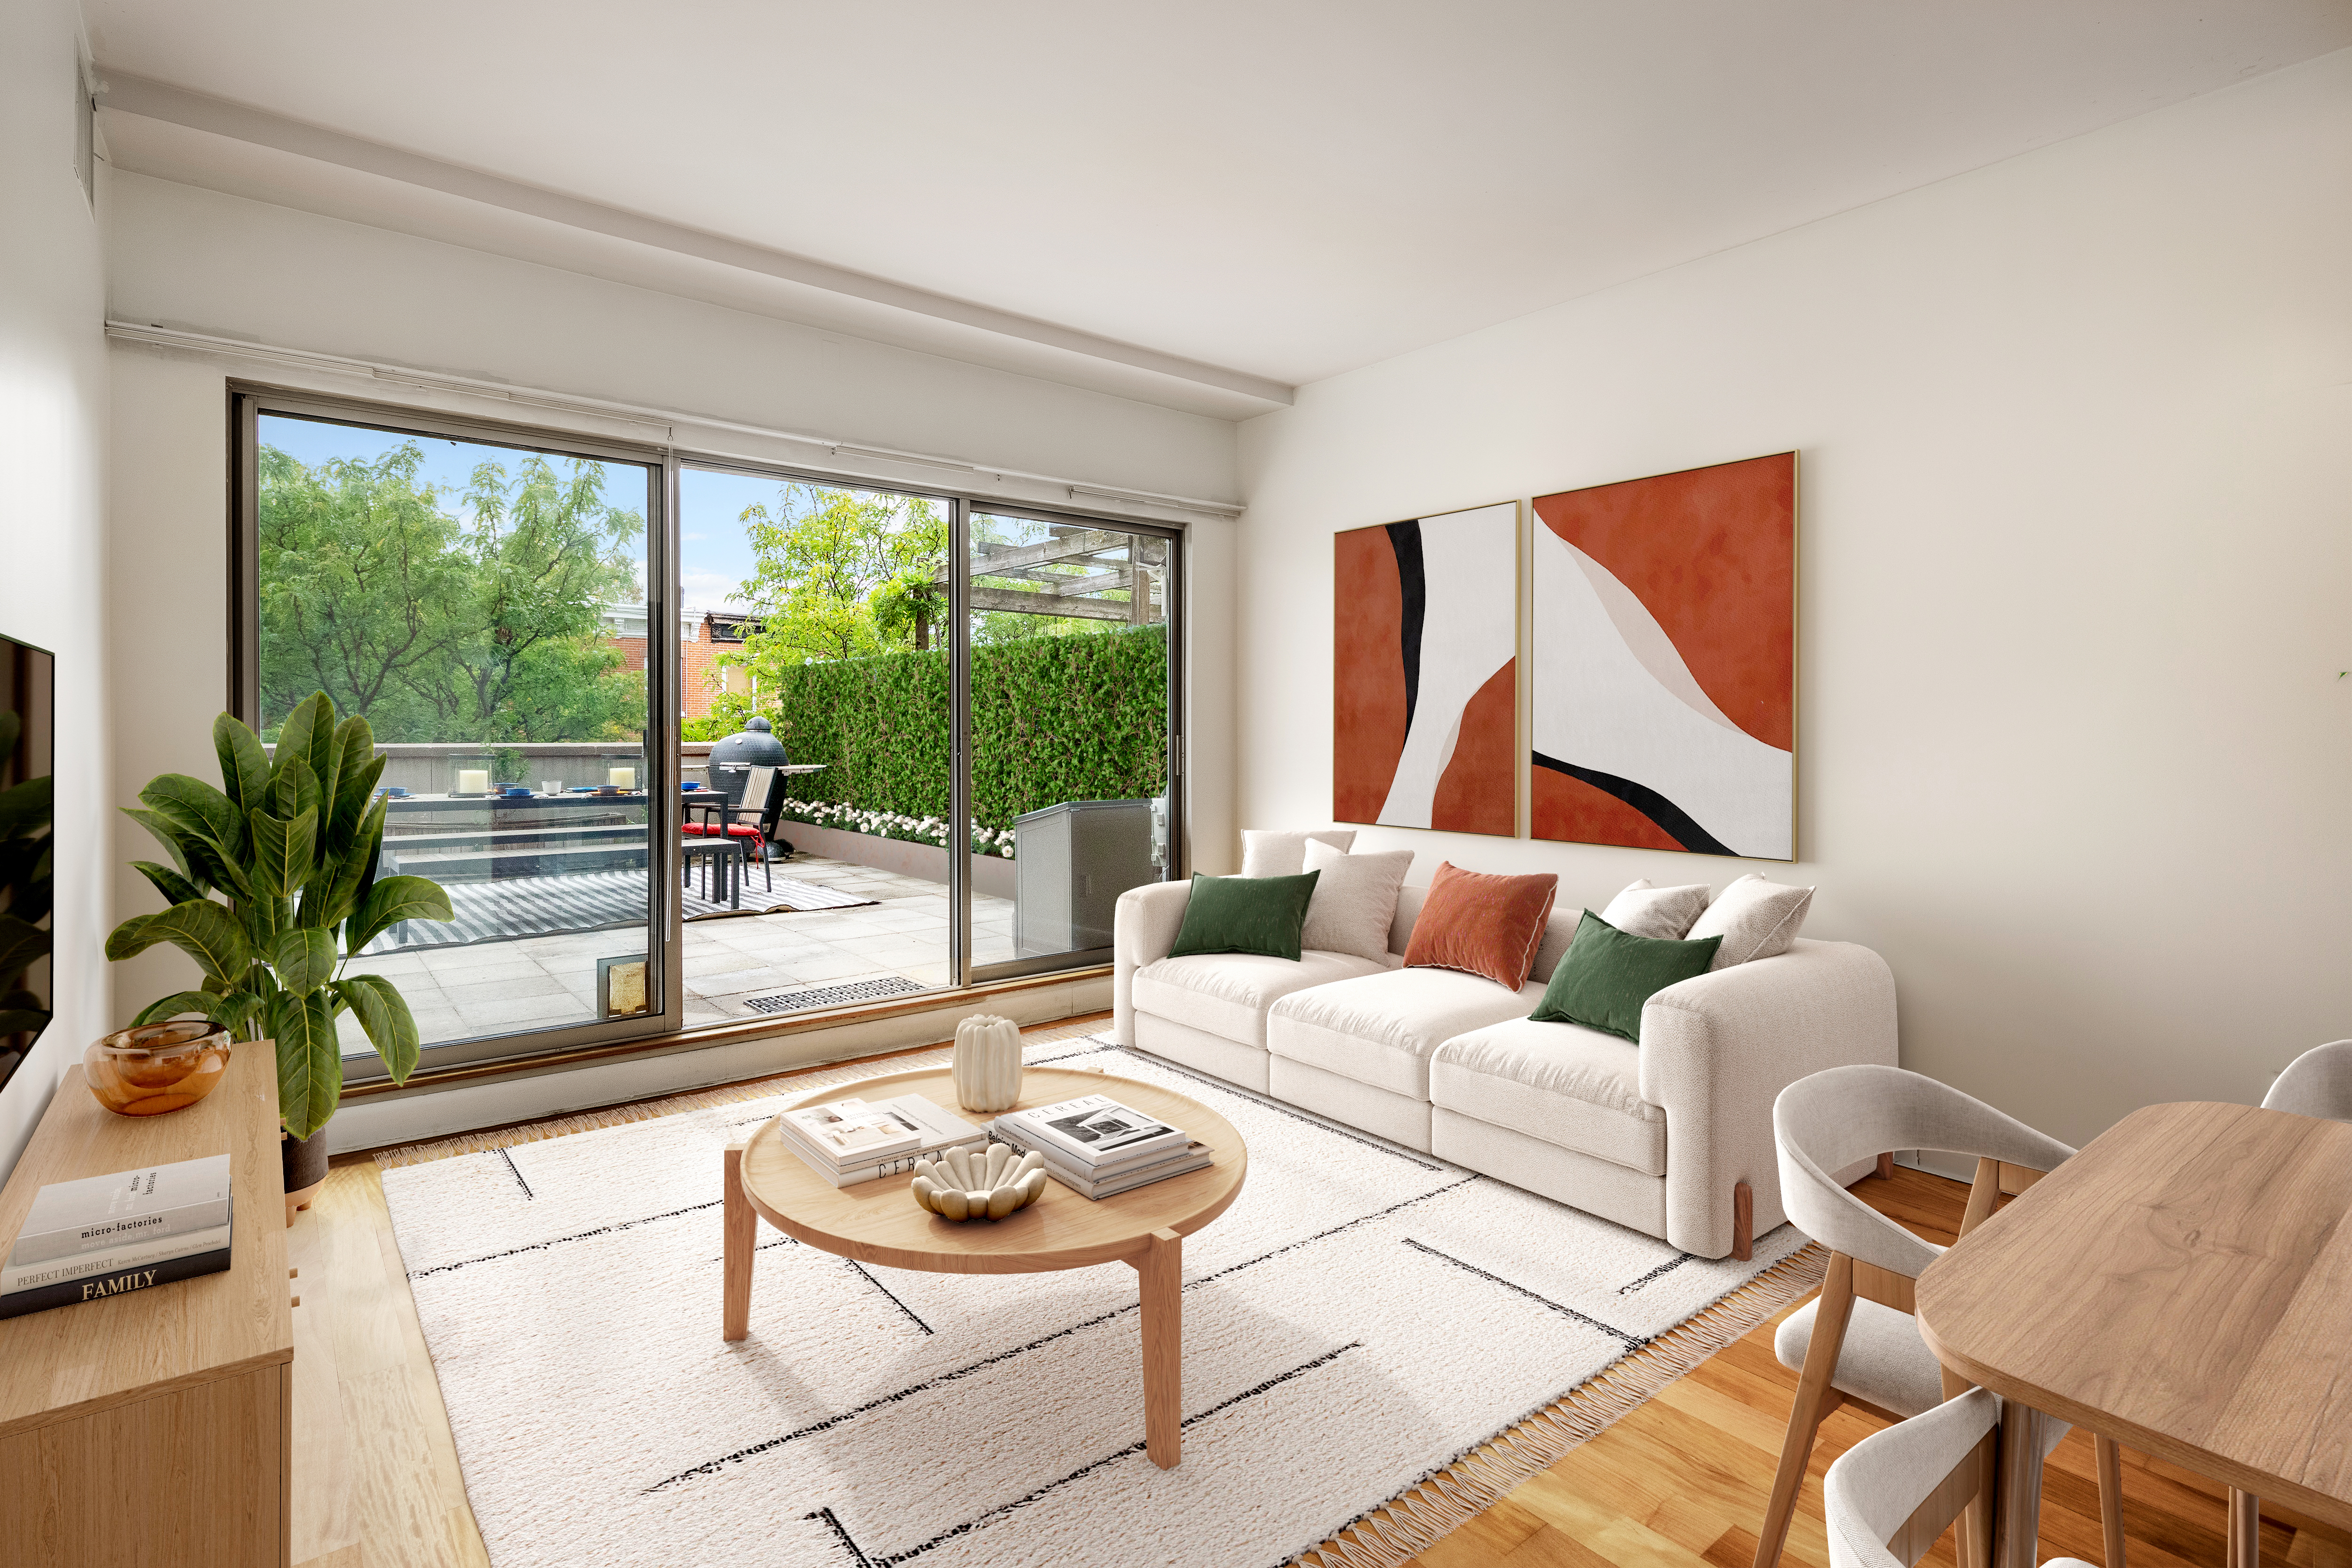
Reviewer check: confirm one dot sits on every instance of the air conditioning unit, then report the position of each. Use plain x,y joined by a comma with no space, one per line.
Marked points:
1071,862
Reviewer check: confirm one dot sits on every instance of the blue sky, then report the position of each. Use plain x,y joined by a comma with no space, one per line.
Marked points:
713,556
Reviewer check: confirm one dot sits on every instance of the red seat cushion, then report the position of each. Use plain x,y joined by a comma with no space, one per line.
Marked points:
735,829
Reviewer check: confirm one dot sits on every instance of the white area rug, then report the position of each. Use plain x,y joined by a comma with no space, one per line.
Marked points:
1362,1319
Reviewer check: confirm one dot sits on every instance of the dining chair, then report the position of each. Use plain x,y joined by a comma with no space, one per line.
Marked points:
2318,1083
762,795
1890,1496
1857,1342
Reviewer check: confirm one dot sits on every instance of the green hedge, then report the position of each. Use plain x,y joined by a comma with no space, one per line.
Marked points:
1083,717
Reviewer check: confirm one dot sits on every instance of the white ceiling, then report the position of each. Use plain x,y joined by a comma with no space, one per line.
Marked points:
1284,188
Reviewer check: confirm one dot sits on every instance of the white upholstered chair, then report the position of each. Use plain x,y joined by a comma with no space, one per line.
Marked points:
2317,1083
1890,1496
1857,1342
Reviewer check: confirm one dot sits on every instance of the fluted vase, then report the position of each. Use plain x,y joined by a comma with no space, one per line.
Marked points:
988,1064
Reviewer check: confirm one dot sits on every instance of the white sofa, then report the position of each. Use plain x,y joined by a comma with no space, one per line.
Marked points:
1656,1136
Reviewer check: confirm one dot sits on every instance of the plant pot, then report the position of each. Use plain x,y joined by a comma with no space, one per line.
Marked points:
305,1163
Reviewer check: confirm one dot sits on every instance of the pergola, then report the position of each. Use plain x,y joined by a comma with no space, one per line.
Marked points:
1068,573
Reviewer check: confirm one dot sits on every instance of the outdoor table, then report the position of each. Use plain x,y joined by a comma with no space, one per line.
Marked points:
2182,1285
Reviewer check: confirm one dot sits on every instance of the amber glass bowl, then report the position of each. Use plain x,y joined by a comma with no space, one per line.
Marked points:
158,1067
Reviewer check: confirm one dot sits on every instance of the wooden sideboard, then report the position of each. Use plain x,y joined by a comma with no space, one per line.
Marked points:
156,1427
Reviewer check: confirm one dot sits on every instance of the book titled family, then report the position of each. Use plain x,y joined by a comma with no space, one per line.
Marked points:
851,1141
107,1235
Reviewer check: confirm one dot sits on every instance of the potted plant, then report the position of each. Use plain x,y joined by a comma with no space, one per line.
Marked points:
273,892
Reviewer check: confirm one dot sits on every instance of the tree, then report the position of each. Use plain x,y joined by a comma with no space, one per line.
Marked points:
480,625
838,574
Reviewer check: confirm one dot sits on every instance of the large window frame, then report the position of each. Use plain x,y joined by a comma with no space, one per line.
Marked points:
662,1028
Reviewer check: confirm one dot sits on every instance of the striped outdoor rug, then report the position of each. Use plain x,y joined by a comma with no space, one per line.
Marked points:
592,900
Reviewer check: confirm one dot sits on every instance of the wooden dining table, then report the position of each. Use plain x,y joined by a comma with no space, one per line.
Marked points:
2183,1286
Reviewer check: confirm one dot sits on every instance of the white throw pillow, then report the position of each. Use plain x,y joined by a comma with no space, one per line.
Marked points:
1663,914
1354,900
1756,919
1285,853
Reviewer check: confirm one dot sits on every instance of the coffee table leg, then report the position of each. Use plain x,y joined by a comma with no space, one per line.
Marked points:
742,1233
1161,1273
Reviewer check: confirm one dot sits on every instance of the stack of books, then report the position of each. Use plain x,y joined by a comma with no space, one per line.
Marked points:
105,1235
854,1141
1096,1147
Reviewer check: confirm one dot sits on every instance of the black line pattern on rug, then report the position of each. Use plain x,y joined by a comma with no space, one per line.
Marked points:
1633,1341
1131,1449
1662,1271
528,1194
840,1534
711,1466
902,1306
613,1228
1275,1105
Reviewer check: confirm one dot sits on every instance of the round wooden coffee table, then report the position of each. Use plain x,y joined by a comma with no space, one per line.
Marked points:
877,1222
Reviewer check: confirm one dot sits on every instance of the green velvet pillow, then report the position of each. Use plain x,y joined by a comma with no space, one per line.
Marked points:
1246,914
1607,974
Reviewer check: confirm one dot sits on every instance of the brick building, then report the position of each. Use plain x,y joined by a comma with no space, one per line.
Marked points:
703,636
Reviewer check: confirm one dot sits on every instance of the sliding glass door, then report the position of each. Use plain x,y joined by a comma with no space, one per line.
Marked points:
694,745
484,606
1070,697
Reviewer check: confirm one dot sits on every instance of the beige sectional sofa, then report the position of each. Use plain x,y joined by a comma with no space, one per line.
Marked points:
1656,1136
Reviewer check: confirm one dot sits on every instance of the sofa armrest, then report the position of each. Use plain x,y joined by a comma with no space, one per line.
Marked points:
1718,1049
1143,928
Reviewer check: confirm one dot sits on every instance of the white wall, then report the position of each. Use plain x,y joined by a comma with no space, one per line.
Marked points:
2075,547
52,529
200,261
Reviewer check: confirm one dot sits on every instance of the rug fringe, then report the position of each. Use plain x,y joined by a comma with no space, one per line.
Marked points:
820,1077
1412,1522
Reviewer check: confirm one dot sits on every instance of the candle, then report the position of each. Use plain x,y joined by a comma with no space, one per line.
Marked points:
622,778
473,781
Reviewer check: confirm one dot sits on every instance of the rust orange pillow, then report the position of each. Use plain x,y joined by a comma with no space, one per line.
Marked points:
1481,924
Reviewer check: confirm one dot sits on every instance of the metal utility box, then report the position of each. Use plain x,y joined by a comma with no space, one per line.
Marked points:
1071,862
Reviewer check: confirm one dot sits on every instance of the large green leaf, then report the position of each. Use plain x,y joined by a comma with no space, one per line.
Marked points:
166,833
175,889
21,943
244,765
309,1061
304,959
393,900
283,851
25,807
308,734
198,808
349,878
202,930
208,867
263,918
295,791
383,1012
357,768
228,1011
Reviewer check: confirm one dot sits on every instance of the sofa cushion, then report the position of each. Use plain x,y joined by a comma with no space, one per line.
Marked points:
1663,914
1483,924
1266,853
1227,994
1754,918
1383,1029
1565,1084
1355,898
1609,975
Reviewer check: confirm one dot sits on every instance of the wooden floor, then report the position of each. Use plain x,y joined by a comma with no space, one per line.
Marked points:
1680,1483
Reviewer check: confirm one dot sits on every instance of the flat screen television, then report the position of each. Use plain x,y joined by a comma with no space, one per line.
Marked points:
28,752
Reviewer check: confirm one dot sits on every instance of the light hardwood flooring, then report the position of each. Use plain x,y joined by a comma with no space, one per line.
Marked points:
1679,1483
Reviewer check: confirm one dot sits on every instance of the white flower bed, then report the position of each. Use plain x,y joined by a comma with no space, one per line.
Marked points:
891,824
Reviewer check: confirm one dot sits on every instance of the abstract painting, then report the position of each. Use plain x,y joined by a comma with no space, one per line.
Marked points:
1662,694
1425,669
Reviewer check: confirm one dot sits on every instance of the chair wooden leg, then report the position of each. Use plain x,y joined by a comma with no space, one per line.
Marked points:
1972,1531
2245,1530
2111,1497
1815,1399
1743,1221
1886,1167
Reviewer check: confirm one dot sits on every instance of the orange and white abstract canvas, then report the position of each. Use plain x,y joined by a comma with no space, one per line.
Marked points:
1662,686
1424,672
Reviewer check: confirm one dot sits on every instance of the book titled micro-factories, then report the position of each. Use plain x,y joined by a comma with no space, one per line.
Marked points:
107,1235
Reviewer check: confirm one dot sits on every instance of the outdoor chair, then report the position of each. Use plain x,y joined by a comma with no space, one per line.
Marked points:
753,819
1857,1342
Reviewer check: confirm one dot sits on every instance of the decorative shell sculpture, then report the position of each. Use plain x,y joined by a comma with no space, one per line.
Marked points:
968,1184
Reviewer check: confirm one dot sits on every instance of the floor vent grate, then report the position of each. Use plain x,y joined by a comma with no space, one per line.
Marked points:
834,995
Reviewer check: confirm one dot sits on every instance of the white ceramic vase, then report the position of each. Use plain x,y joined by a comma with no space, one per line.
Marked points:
988,1064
